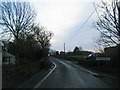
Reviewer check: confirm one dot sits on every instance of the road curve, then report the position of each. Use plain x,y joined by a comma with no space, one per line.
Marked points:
68,75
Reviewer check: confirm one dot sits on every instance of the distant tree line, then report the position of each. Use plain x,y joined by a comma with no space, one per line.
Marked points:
22,36
78,51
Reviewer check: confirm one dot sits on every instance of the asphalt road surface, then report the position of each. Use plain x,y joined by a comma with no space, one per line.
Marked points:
68,75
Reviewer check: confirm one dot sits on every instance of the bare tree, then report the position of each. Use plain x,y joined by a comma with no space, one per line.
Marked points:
43,37
108,23
98,47
16,18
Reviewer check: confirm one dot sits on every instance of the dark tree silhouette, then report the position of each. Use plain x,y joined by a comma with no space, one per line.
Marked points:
76,49
43,37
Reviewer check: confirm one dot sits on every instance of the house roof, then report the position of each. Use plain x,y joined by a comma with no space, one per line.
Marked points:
1,43
6,54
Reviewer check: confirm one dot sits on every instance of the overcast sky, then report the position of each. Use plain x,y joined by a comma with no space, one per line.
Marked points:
65,18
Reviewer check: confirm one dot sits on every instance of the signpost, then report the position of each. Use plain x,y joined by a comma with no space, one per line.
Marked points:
103,58
106,59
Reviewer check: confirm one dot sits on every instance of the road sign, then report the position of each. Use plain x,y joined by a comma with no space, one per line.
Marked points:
103,58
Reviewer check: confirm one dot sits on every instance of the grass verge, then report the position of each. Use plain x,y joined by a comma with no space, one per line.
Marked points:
14,75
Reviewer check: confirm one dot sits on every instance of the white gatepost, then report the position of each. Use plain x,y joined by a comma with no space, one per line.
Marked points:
1,44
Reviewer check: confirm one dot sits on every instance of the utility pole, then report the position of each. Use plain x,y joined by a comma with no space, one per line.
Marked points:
64,48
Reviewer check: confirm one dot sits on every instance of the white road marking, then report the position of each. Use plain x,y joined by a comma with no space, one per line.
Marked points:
87,70
29,80
46,76
55,68
82,69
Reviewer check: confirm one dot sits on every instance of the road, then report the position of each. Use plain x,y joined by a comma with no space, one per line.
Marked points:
68,75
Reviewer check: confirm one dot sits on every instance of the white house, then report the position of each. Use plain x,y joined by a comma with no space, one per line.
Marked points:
5,57
1,44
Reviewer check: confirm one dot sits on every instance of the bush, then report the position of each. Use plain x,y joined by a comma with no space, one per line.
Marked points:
14,75
113,52
88,63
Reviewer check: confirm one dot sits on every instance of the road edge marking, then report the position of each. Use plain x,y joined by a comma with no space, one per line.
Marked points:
46,76
84,69
87,70
21,86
